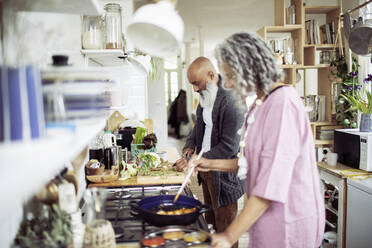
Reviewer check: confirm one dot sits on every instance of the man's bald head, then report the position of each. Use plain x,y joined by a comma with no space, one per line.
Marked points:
201,71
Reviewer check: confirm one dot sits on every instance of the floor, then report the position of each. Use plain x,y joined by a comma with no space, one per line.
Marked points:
196,189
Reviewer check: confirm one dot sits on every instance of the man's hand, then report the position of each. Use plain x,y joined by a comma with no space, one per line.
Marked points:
181,164
187,152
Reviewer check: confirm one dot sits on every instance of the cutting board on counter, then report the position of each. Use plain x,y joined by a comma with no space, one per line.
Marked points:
171,177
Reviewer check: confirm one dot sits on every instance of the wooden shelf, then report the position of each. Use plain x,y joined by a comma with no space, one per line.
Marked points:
320,9
290,66
285,28
321,46
323,123
314,66
323,142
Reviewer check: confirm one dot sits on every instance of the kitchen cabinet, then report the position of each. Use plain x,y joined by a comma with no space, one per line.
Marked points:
332,175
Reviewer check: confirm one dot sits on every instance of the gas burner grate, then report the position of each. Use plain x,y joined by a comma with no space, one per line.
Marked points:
118,211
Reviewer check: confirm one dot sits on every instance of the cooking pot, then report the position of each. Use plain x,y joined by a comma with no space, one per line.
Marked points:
147,210
360,39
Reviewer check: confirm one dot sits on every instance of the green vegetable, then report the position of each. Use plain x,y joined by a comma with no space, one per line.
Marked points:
50,228
140,134
148,160
150,141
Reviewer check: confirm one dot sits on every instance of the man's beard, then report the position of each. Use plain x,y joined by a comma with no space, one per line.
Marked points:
208,95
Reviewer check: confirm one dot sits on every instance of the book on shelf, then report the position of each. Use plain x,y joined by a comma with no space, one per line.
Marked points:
319,34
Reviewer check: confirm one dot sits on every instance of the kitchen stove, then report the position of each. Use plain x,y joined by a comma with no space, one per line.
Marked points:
129,228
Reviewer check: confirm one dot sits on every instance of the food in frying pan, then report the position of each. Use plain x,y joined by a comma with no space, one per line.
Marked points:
173,235
195,237
177,212
153,241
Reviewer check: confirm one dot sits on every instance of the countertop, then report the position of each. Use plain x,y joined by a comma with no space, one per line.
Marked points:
336,170
171,155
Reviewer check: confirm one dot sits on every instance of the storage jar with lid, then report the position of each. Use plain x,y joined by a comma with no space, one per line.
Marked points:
113,31
92,34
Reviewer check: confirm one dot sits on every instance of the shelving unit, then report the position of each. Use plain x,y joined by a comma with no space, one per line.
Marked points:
305,53
103,57
32,164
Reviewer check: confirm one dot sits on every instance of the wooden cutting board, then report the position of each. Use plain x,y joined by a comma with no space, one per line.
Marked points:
169,178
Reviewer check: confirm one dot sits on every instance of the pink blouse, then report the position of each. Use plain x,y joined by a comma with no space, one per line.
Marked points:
281,168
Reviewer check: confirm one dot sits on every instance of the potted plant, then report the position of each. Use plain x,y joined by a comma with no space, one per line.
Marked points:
359,96
341,77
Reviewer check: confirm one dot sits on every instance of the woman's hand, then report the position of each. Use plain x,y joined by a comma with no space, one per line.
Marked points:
221,240
201,164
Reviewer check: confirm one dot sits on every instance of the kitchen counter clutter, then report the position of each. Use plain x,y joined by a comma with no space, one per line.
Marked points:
169,176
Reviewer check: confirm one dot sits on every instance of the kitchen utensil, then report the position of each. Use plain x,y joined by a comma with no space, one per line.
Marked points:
106,176
114,121
191,170
360,39
147,210
111,156
89,171
113,30
109,139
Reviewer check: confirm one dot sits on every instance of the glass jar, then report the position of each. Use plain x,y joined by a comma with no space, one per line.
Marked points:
113,30
92,35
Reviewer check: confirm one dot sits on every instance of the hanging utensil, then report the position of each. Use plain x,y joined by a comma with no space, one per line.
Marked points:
187,177
361,36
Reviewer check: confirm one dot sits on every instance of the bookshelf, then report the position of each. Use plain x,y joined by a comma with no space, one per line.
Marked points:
306,54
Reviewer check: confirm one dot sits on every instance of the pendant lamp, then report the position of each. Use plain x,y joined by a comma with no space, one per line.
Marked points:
156,29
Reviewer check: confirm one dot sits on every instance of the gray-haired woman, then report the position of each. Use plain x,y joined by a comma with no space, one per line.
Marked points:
284,207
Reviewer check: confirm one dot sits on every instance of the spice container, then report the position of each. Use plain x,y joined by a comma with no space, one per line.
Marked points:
113,30
92,35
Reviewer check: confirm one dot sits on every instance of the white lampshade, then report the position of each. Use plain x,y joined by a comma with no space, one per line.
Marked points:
156,29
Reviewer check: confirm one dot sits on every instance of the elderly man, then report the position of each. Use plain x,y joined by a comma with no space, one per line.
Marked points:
215,130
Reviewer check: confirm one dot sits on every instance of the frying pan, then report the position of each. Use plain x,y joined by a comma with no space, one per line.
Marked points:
147,208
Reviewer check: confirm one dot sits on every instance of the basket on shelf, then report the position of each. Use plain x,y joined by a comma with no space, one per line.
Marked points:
137,149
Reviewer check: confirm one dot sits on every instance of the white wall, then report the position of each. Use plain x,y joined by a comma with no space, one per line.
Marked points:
156,104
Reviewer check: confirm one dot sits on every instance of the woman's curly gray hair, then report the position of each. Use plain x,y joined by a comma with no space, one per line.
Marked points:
251,62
